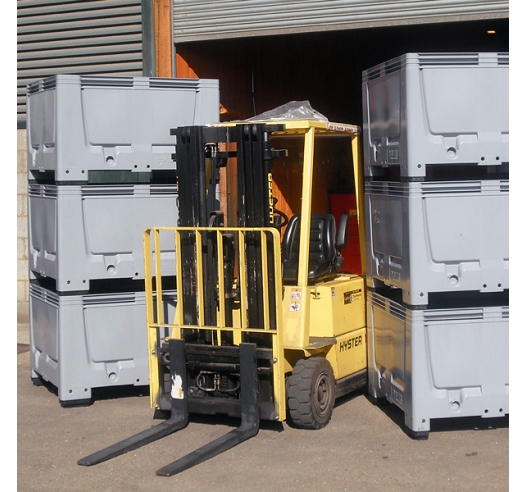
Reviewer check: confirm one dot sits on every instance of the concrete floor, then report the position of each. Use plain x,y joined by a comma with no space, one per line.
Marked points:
362,449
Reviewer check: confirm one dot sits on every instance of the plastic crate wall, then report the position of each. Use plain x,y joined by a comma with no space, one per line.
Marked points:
422,109
82,342
426,237
77,124
438,363
80,233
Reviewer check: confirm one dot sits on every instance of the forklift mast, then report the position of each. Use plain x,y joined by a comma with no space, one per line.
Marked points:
199,158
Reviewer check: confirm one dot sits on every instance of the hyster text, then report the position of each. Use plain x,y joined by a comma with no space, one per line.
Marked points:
350,343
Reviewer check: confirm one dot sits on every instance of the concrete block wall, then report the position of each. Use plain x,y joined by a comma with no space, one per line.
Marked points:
22,229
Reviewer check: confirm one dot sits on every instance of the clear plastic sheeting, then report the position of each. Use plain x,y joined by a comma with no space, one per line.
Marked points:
293,110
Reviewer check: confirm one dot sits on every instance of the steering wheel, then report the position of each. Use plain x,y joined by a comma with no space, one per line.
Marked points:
280,219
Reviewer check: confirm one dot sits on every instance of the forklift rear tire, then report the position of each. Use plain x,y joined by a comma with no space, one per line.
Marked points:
311,393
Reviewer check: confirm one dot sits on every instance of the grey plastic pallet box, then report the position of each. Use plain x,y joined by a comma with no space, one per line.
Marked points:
82,342
425,109
77,124
80,233
438,363
434,237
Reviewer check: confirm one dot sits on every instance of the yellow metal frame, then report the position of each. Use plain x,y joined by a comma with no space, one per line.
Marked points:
154,294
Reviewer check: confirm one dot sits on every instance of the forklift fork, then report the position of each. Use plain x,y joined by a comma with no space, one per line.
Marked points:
249,414
179,415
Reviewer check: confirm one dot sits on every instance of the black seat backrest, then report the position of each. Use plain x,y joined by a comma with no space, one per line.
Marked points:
324,257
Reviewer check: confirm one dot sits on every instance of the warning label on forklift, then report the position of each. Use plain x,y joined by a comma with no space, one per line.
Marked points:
295,298
296,295
294,307
352,295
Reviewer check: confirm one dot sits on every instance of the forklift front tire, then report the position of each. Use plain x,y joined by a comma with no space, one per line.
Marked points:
311,393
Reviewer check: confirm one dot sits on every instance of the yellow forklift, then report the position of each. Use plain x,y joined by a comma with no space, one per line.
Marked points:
268,320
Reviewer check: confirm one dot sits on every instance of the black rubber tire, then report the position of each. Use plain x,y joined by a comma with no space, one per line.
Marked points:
311,393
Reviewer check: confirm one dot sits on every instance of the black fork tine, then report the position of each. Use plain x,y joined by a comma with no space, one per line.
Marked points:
178,416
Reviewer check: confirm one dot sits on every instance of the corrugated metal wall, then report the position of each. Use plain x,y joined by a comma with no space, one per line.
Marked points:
71,36
196,20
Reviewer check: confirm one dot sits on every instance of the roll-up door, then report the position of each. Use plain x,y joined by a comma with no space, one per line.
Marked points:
70,36
196,20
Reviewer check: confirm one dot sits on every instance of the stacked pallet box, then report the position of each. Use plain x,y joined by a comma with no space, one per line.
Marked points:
436,165
100,171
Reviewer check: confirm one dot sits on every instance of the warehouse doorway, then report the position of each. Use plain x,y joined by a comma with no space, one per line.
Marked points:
260,73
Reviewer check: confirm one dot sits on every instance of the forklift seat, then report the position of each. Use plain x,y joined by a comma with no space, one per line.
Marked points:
325,244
